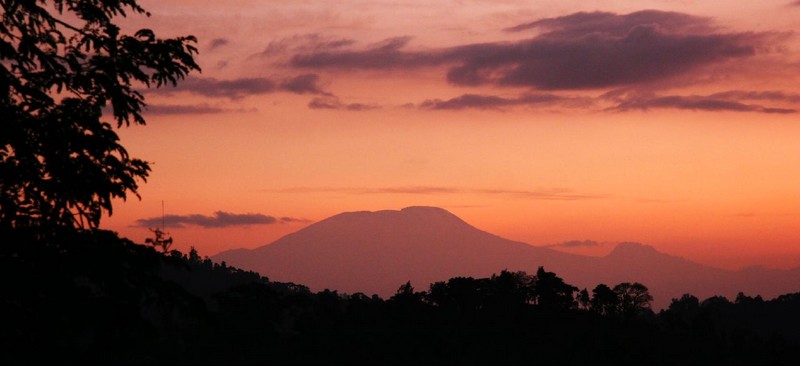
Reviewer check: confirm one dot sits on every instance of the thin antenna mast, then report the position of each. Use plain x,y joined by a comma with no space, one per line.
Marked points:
162,239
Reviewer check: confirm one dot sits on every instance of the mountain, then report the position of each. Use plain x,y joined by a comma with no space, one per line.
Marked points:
376,252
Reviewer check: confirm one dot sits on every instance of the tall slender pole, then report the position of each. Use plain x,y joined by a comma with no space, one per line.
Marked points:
162,216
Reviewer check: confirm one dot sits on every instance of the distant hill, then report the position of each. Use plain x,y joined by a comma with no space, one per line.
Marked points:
376,252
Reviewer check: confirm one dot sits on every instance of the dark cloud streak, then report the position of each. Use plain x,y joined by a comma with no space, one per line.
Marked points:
385,55
217,43
303,43
242,87
220,219
173,109
582,23
476,101
772,95
575,244
334,103
726,102
232,89
303,84
578,51
556,194
597,60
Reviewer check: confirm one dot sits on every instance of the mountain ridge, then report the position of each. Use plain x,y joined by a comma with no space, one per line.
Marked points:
377,251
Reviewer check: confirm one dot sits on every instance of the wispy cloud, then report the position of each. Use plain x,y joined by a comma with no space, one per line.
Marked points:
303,84
582,23
477,101
578,51
217,43
769,95
552,194
242,87
385,55
171,109
332,102
628,99
366,190
731,101
303,43
575,244
219,219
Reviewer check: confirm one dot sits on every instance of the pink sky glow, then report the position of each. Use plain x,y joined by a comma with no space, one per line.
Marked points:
671,123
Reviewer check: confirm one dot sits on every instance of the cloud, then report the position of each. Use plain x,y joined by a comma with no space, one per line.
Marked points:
575,244
425,190
477,101
217,43
553,194
628,99
573,55
214,88
219,219
772,95
303,84
172,109
303,43
730,101
579,24
578,51
242,87
387,54
332,102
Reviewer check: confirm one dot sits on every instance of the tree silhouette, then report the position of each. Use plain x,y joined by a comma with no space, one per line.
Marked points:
161,240
66,69
458,293
583,299
604,300
406,294
510,289
683,310
552,292
634,298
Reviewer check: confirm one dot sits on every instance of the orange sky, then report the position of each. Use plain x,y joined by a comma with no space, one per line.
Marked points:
676,127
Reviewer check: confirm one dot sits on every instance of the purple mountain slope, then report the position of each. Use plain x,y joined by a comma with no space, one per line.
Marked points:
376,252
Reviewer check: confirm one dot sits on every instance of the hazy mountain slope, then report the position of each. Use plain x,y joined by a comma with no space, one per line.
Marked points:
376,252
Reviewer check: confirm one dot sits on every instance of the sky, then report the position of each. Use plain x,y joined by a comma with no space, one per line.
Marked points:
571,124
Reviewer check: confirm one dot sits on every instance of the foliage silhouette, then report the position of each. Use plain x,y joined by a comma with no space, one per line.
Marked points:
604,300
64,66
634,298
552,292
160,239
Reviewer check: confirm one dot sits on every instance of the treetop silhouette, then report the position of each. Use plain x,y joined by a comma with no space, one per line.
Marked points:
65,70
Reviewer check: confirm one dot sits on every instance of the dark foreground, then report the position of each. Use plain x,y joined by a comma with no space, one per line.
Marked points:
95,298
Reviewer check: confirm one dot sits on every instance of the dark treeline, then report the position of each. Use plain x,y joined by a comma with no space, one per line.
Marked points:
89,297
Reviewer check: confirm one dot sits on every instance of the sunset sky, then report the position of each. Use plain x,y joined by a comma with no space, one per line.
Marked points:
673,123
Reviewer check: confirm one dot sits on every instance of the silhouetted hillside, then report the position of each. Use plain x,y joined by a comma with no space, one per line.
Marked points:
91,297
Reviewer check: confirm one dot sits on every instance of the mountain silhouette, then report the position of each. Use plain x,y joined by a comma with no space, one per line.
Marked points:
376,252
